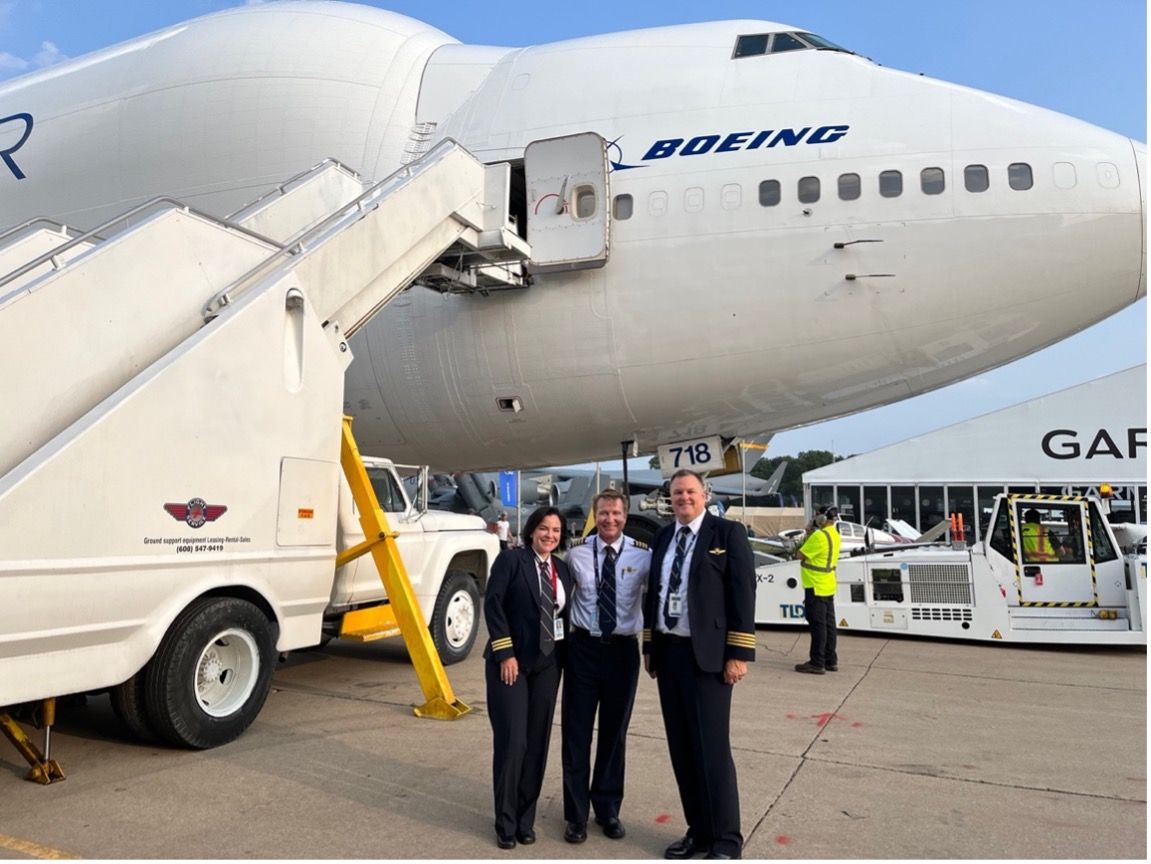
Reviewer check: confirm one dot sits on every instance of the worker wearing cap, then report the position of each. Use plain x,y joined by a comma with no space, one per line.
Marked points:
1037,540
818,557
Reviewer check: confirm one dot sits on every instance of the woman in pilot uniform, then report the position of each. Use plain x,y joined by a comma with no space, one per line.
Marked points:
526,610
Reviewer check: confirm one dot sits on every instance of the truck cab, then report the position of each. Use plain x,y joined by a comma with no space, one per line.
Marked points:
447,556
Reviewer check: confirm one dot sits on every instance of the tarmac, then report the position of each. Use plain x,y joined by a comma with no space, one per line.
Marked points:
914,749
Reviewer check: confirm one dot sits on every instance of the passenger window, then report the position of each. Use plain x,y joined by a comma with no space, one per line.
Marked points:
623,206
848,187
657,203
769,194
1064,174
890,184
751,46
975,178
731,196
931,181
808,190
693,199
585,202
785,42
1019,176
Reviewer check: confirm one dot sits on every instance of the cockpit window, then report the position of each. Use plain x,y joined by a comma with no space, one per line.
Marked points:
750,46
758,44
786,42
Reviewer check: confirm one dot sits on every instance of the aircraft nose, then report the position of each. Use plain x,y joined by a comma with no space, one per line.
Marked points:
1141,173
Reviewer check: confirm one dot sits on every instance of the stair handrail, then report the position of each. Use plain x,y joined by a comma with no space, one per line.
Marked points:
168,203
298,178
298,244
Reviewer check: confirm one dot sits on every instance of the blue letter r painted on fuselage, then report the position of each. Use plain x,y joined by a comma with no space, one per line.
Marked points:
6,155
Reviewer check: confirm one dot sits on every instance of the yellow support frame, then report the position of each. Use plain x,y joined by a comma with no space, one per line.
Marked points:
44,769
441,703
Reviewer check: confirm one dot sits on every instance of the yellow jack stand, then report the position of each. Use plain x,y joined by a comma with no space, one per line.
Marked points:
403,610
44,769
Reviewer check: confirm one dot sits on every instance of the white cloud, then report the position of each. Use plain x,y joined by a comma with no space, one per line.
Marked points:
49,55
12,63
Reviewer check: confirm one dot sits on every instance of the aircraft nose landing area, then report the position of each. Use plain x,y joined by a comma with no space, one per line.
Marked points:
913,749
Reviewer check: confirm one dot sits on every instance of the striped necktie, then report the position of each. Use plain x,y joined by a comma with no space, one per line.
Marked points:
674,582
547,608
605,603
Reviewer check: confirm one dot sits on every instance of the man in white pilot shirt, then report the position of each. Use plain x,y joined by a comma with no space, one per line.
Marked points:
610,574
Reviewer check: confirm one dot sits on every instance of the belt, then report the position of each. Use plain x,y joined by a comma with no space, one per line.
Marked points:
607,640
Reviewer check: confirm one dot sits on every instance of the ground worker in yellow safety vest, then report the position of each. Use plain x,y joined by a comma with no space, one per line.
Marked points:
819,555
1038,544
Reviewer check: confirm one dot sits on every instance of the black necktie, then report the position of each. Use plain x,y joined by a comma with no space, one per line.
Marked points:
547,608
606,600
673,584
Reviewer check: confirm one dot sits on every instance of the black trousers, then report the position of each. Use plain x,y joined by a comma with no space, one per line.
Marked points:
599,675
820,613
696,708
521,718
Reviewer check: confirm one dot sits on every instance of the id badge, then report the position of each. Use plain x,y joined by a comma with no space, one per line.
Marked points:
559,631
594,629
675,604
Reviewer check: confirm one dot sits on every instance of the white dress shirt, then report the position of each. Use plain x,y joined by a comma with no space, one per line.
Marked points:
632,565
682,626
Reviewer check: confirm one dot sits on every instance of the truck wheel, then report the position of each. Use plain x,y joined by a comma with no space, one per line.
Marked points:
211,674
454,623
128,705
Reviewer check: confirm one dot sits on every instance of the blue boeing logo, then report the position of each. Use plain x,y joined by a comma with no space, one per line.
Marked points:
701,145
6,154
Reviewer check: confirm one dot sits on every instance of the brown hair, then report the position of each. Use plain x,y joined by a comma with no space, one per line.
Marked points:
609,495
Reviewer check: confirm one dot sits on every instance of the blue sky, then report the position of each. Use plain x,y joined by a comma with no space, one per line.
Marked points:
1086,58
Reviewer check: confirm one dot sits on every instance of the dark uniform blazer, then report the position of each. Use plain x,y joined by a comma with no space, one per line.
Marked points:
721,593
512,604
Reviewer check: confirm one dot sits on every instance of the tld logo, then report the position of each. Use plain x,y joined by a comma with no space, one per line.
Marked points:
12,124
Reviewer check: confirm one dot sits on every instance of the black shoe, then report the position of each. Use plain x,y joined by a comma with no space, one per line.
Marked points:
575,832
722,855
684,847
526,837
832,667
505,842
612,828
809,668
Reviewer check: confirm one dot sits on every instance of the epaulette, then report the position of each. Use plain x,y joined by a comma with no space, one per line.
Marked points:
639,545
578,542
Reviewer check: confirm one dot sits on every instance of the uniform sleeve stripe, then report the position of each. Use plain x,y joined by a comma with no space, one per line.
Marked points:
742,640
500,644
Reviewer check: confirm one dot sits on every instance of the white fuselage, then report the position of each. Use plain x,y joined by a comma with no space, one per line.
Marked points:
714,314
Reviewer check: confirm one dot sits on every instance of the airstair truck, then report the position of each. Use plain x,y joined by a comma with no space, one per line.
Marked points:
170,464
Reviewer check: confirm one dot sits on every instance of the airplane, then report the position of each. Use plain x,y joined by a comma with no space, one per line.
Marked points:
898,233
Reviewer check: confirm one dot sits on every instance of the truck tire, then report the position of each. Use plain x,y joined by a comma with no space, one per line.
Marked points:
211,674
455,621
128,705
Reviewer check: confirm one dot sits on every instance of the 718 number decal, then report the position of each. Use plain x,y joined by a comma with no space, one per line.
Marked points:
700,455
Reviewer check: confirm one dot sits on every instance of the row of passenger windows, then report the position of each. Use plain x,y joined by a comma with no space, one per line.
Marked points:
932,181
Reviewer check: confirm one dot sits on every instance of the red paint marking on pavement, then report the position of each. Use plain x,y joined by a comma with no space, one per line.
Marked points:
856,725
783,840
792,716
823,719
662,818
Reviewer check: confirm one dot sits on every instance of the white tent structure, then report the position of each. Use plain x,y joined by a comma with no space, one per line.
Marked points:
1070,441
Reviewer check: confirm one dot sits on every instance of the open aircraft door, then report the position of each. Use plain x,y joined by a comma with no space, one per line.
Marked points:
569,222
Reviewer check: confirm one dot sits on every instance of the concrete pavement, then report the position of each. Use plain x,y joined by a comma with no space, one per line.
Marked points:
914,749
